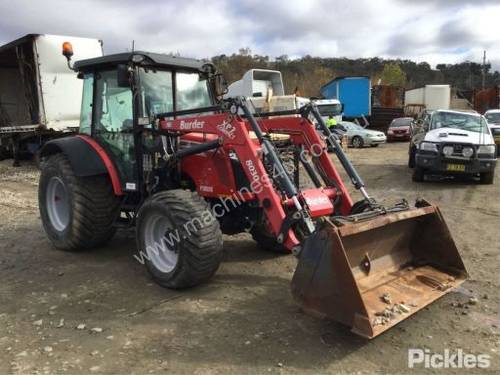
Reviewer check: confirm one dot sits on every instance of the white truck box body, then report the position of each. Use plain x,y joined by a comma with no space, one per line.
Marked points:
415,96
60,90
437,97
432,96
256,83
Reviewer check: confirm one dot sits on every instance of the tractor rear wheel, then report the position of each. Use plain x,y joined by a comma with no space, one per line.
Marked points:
77,212
178,239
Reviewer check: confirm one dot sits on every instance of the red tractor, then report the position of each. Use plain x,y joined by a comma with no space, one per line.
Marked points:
159,149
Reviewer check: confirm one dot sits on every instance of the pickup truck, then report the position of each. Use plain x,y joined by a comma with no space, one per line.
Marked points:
453,143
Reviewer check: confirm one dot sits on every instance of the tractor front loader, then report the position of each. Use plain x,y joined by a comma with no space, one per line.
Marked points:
159,150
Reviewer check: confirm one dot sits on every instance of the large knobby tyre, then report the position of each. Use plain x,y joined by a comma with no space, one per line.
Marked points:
178,239
487,178
266,240
77,212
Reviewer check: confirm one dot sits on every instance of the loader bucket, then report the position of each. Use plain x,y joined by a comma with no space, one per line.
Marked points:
372,274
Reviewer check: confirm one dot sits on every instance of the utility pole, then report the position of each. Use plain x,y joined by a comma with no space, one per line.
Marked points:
484,69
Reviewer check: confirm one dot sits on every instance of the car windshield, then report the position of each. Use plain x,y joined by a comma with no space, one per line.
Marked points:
330,109
351,126
493,118
462,121
400,122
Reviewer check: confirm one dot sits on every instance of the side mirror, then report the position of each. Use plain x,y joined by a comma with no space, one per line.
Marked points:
219,85
122,76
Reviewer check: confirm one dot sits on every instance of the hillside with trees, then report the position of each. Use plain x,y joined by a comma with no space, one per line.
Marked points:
308,73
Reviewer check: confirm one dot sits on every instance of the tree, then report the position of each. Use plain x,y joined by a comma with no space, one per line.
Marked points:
393,75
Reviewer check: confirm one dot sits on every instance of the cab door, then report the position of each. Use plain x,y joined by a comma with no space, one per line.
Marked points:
113,125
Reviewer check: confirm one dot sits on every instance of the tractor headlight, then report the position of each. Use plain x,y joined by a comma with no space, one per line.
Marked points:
467,152
428,146
486,149
448,150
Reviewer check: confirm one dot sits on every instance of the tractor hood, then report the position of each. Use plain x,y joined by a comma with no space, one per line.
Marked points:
452,135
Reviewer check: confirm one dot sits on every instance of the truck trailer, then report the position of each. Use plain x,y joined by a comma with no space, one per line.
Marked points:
353,92
40,97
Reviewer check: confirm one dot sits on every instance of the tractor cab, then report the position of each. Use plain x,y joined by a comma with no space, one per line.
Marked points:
122,92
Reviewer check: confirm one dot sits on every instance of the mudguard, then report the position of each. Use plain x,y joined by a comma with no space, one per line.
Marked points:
86,156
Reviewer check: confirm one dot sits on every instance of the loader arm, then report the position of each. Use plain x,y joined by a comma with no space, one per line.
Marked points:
233,135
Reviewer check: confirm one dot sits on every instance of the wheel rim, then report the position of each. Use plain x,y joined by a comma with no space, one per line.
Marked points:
356,142
58,206
161,247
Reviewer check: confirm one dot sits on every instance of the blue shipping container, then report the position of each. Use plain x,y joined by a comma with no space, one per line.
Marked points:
353,92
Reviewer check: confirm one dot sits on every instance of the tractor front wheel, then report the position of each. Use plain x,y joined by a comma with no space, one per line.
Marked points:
266,240
178,239
77,212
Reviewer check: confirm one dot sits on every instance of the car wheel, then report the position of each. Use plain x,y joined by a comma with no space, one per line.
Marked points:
411,158
487,178
357,141
418,174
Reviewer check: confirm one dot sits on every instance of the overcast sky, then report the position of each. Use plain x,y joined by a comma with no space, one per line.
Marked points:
426,30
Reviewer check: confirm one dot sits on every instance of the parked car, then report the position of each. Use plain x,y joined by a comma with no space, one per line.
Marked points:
453,142
399,129
358,136
493,118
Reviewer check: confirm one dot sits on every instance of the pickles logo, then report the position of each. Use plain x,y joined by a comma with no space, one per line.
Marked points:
448,359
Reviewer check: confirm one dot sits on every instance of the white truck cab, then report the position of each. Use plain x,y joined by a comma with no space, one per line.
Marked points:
330,107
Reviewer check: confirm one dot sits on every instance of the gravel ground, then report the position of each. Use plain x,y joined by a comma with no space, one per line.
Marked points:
99,312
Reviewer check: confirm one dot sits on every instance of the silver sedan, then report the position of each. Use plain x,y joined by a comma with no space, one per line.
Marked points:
359,136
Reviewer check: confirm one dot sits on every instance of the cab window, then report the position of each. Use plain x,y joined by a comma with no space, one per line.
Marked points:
191,91
86,109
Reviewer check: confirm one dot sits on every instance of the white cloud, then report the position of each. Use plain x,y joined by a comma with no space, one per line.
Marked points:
434,31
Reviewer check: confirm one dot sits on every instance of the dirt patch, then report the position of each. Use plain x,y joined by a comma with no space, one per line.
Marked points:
99,312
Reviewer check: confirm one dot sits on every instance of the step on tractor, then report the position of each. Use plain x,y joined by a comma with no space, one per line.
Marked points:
161,150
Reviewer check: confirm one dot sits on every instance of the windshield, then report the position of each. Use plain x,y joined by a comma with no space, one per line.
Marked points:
400,122
191,91
330,109
493,118
156,91
462,121
351,126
